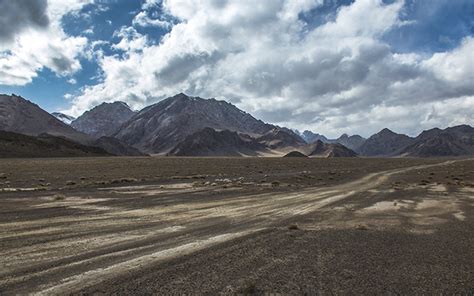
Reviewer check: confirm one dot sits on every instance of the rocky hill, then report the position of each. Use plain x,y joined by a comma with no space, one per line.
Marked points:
295,154
321,149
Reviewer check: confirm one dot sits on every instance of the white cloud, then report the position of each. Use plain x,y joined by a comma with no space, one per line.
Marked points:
130,40
148,4
72,81
338,77
28,53
143,20
89,31
456,68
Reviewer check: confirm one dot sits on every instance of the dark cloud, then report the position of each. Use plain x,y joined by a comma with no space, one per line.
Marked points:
62,64
16,15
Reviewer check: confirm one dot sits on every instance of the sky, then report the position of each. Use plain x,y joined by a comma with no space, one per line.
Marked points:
329,66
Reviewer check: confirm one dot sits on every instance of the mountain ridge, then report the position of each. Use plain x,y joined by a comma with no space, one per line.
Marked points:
22,116
193,126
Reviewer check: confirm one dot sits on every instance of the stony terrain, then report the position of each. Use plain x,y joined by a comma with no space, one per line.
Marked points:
236,225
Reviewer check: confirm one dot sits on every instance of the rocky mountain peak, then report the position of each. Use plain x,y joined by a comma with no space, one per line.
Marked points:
160,127
104,119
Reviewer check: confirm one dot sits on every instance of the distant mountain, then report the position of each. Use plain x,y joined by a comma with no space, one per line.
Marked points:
321,149
385,143
453,141
209,142
63,117
24,117
104,119
352,142
162,126
44,145
311,137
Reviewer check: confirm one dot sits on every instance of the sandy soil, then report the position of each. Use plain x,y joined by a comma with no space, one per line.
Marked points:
236,226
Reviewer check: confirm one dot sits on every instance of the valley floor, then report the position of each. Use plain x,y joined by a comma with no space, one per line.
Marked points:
236,225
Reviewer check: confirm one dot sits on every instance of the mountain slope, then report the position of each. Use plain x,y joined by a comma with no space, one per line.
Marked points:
104,119
209,142
22,116
453,141
278,138
160,127
44,145
67,119
117,147
385,143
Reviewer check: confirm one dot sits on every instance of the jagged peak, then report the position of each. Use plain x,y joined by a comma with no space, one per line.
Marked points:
116,103
386,130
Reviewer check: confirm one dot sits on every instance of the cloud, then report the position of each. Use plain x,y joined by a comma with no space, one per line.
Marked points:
19,15
340,76
130,40
148,4
27,53
143,20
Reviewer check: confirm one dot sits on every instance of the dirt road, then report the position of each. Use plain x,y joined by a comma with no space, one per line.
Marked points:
103,239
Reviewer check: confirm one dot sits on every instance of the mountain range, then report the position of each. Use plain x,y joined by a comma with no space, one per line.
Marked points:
352,142
191,126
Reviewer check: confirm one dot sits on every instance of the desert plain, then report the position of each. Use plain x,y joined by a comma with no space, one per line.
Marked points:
151,225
